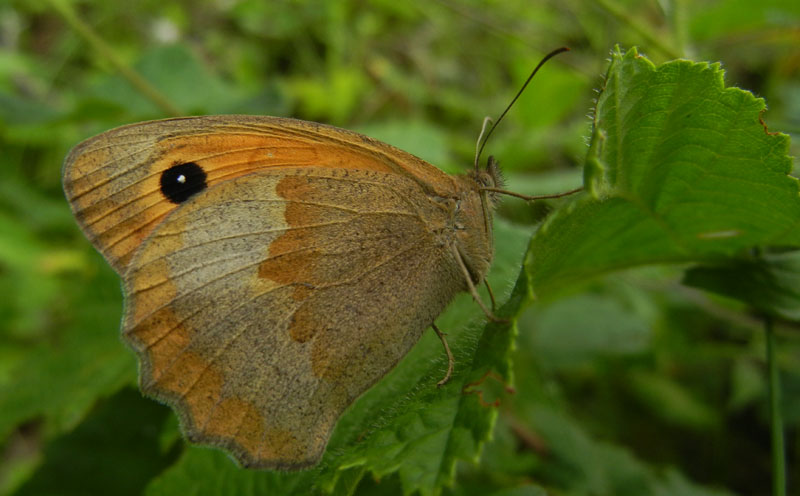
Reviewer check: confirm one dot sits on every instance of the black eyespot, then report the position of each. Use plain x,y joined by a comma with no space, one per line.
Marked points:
180,182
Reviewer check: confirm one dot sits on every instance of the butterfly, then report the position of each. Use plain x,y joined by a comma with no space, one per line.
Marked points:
274,269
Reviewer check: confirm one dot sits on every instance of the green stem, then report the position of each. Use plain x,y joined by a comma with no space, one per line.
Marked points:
622,16
680,26
105,50
776,418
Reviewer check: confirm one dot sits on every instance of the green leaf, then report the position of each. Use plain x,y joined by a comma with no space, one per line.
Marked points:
331,99
769,283
672,401
572,331
414,136
748,384
405,425
584,465
712,20
60,379
679,168
116,447
179,75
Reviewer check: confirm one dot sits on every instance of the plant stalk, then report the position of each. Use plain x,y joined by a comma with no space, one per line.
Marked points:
624,17
776,417
100,46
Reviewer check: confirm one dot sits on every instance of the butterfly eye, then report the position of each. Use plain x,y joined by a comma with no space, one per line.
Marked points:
181,181
492,177
485,179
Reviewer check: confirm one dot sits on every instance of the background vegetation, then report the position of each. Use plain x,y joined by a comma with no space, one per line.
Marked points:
627,383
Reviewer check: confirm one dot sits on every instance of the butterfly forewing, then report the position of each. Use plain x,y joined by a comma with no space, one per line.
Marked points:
114,180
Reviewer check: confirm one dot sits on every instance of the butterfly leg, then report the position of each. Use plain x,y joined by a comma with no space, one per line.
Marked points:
474,292
450,359
491,294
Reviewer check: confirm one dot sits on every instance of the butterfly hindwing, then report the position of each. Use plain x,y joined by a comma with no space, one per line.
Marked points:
264,305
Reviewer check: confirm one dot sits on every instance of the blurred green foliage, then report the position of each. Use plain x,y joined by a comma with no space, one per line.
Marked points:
630,383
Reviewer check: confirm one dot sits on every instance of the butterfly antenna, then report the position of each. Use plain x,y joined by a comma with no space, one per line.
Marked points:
486,121
525,85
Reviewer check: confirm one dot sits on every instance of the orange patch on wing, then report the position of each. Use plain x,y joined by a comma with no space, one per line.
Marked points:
237,419
204,393
250,433
159,333
301,292
289,259
288,268
321,364
296,188
281,444
198,382
304,324
292,258
179,375
153,289
87,173
122,234
232,152
163,339
117,223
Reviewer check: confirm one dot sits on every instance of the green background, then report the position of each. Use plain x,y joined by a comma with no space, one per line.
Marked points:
629,383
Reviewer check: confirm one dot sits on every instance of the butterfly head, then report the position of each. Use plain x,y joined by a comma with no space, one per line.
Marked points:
491,177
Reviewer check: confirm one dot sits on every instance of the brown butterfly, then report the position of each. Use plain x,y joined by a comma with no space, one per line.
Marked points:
274,269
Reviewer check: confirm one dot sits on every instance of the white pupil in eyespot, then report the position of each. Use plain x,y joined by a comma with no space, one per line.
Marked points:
182,179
